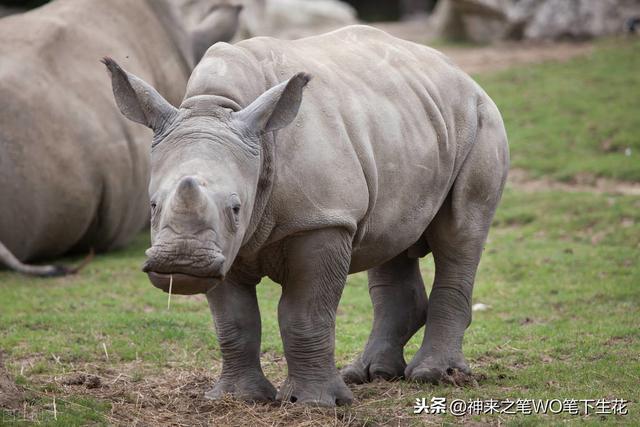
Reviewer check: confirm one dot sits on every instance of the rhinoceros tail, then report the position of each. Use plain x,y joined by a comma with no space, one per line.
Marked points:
8,259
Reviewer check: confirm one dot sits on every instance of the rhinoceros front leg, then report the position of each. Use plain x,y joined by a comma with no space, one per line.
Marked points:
315,269
237,319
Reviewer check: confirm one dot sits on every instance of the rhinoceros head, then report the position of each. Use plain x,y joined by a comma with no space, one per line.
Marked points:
205,168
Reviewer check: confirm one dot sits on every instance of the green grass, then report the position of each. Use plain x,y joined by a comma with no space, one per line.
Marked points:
560,272
75,411
565,119
563,321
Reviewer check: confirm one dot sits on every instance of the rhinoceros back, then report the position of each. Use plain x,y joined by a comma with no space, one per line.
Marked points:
382,132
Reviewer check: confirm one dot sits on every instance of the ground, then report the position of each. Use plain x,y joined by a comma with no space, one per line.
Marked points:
559,274
476,58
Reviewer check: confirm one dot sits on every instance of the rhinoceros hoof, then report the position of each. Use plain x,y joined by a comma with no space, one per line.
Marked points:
330,392
381,366
253,388
438,371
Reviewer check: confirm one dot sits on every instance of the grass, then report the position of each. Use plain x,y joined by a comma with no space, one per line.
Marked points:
570,119
560,275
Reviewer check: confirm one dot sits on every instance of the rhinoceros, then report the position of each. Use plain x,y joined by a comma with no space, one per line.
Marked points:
73,171
305,161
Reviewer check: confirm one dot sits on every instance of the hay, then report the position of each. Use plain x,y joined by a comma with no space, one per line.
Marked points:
170,289
140,394
11,396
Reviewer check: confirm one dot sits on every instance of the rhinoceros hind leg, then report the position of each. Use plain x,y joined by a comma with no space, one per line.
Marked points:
456,237
399,310
456,259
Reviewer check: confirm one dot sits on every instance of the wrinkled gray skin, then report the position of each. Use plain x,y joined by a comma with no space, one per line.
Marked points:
74,172
392,153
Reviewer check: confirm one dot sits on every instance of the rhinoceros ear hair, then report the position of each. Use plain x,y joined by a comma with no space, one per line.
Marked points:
137,100
277,107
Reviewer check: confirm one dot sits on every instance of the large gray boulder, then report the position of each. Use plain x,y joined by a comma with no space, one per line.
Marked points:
287,19
489,20
578,19
300,18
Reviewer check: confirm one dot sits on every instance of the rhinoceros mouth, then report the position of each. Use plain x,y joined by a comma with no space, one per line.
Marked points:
183,284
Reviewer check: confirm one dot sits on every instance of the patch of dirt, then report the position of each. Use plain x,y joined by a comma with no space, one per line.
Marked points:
499,56
619,341
11,397
521,181
415,30
459,379
143,395
89,381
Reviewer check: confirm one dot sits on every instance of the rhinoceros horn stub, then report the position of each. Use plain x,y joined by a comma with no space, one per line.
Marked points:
188,193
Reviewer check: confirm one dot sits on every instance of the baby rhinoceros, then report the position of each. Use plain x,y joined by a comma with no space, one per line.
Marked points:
388,153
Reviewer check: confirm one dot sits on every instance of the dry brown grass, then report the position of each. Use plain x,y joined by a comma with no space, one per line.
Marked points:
11,396
141,395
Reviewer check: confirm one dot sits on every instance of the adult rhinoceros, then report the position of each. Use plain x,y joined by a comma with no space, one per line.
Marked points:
392,153
73,172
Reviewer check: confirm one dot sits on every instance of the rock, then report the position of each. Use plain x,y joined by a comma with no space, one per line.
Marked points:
412,9
286,18
475,20
576,19
300,18
489,20
479,307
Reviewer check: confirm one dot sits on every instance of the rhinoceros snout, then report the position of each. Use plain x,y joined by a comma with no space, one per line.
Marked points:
199,263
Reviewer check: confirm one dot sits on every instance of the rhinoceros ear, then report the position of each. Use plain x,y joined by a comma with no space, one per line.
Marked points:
277,107
137,100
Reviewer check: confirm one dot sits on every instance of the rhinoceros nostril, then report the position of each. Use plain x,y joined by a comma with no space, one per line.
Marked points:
218,262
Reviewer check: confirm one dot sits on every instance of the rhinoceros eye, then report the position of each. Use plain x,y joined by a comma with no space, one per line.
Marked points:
155,217
234,206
